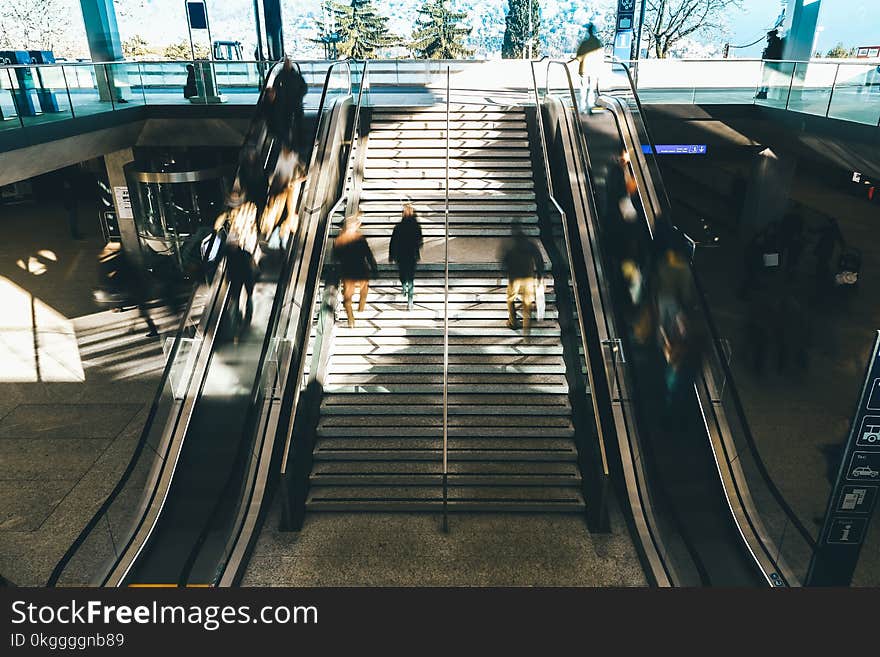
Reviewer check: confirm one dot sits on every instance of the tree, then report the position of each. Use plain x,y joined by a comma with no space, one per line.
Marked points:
839,52
33,24
360,31
667,22
181,51
516,29
437,33
136,47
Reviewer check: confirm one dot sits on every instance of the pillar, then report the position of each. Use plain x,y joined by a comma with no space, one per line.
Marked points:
99,17
115,162
801,33
274,30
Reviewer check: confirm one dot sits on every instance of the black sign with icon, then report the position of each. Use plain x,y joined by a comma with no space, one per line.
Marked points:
855,492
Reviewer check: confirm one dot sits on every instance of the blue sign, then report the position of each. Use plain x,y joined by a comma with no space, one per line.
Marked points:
676,149
198,15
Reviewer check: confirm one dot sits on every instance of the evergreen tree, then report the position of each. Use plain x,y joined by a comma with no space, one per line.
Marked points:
360,31
516,29
437,33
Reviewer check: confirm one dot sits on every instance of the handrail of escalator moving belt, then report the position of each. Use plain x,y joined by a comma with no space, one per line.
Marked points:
602,504
291,308
628,123
294,378
650,216
653,548
445,478
205,329
726,372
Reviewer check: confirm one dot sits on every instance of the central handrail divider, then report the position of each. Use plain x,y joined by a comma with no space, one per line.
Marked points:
268,389
446,322
600,517
293,509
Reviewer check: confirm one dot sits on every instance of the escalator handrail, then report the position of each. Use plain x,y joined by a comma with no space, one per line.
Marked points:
709,317
259,423
296,380
217,291
315,169
661,567
574,279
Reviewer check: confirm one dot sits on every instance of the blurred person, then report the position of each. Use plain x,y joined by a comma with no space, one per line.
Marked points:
828,239
524,265
355,265
626,230
678,331
241,265
404,249
589,56
189,89
287,122
771,68
124,284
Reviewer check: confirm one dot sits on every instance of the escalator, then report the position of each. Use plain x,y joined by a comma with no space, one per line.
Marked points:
185,510
701,504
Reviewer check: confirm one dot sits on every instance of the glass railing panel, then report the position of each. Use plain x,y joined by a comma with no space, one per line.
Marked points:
39,94
88,90
9,118
811,87
724,82
774,84
126,84
238,82
856,94
164,82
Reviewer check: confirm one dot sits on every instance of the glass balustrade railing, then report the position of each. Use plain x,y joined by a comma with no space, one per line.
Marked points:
842,90
34,95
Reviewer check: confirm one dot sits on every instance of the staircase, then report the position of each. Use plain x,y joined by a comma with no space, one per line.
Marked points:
510,435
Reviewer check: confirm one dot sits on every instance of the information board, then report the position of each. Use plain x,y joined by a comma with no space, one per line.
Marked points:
855,492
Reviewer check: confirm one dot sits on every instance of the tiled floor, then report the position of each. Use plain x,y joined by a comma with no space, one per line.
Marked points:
75,385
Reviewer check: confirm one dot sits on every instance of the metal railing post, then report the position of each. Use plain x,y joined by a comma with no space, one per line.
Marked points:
67,88
831,95
15,102
446,323
110,89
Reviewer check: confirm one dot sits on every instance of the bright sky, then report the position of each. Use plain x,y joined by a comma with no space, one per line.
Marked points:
851,22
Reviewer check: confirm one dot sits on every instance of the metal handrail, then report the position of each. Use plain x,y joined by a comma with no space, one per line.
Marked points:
343,196
653,205
552,198
446,320
645,523
738,406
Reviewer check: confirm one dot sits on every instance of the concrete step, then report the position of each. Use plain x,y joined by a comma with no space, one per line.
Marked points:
479,155
518,437
381,406
436,388
408,132
457,127
423,163
471,185
439,173
455,205
470,351
391,194
335,402
429,447
411,144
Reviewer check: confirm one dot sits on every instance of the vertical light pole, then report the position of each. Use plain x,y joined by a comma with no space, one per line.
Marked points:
530,29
